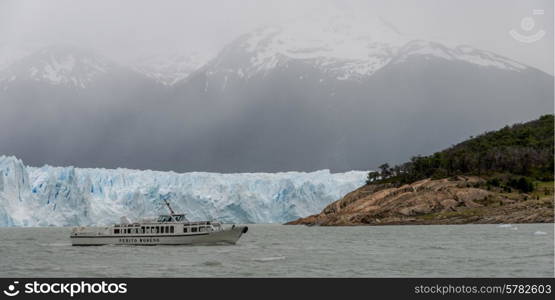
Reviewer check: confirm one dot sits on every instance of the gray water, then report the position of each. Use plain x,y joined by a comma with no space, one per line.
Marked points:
296,251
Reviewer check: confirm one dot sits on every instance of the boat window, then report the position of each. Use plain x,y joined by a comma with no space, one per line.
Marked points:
142,229
171,229
194,229
148,229
185,229
116,230
157,229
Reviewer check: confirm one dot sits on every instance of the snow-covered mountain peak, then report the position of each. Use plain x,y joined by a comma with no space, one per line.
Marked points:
340,36
168,69
427,49
344,46
339,44
59,66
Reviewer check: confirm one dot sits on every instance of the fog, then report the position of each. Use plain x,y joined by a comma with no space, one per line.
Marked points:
293,118
130,28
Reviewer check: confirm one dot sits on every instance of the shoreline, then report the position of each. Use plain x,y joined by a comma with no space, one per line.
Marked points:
462,200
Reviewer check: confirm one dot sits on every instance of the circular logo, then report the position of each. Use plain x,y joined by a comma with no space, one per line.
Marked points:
11,290
527,24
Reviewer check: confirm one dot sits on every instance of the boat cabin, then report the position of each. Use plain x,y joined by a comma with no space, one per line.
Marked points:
167,224
171,218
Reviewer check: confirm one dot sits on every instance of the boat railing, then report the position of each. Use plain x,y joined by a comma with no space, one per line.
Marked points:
81,230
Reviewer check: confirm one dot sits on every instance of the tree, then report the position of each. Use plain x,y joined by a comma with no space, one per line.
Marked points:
385,171
522,149
372,176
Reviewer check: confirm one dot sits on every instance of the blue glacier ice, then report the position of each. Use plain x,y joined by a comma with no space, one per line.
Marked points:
68,196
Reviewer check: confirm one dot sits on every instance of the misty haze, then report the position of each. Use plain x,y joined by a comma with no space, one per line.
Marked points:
262,86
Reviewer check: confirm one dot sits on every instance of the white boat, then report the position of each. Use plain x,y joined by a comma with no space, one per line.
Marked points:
172,229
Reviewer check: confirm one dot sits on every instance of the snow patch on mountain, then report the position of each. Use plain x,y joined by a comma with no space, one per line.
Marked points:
460,53
168,69
344,46
59,66
68,196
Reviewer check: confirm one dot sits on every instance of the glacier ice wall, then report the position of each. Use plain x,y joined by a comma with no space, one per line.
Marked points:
68,196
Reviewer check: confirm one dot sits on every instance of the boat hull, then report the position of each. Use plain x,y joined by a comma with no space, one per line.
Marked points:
226,236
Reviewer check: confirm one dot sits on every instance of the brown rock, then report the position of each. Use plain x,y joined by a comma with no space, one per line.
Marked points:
382,204
406,211
471,204
449,203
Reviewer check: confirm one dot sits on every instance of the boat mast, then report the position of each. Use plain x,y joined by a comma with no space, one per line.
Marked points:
168,205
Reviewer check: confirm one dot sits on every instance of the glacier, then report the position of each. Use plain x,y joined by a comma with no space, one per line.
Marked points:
69,196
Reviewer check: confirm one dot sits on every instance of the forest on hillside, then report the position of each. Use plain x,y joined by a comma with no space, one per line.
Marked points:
513,157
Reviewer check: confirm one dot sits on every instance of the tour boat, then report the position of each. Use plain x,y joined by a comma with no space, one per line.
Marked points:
172,229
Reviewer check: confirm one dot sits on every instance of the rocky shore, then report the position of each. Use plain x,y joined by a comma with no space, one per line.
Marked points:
459,200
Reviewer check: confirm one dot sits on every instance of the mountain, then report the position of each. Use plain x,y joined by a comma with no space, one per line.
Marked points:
64,66
68,196
63,100
58,66
314,93
341,47
319,91
503,176
167,69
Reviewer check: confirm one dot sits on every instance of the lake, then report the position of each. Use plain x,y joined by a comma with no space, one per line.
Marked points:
521,250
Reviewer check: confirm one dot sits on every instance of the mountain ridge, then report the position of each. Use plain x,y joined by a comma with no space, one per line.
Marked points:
316,108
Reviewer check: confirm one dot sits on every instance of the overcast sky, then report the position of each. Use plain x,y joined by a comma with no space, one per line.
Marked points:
129,28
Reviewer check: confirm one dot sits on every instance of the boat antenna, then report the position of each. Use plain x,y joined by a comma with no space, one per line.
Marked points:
168,205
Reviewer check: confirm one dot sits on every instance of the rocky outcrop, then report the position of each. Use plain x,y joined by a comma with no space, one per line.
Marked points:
456,200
